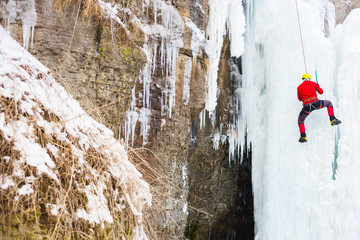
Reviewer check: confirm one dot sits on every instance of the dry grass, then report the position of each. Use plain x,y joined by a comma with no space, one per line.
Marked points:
159,220
89,8
163,187
29,216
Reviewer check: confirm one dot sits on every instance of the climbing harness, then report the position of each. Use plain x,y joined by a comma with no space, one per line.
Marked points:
308,108
302,43
310,100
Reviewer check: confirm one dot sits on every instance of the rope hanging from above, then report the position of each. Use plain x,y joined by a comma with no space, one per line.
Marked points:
302,43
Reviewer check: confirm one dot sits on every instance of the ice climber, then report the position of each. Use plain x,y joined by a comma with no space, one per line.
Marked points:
307,94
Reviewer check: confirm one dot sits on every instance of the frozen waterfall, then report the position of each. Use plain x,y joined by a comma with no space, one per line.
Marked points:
311,190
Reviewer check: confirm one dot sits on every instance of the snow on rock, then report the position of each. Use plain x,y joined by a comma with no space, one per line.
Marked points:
164,41
170,39
45,127
113,11
164,35
197,38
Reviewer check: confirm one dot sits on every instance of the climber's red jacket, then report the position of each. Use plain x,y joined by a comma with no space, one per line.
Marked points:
307,92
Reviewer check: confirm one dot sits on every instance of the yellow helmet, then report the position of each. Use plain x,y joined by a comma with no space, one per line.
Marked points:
306,76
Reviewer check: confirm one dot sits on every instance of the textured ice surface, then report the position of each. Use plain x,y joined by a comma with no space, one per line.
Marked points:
224,15
295,194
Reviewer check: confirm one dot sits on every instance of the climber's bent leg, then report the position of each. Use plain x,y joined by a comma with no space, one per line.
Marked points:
330,108
333,120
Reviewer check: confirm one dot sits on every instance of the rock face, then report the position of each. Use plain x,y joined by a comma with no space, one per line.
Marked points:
89,59
197,194
219,186
343,8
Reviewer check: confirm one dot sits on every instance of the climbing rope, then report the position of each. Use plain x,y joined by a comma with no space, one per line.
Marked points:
302,43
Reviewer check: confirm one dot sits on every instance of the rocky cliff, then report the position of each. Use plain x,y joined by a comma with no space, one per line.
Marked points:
100,59
119,62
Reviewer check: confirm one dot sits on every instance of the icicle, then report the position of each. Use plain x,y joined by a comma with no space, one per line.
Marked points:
9,12
236,25
172,92
144,119
213,117
184,175
154,57
145,78
162,56
145,112
26,35
222,12
198,5
164,38
232,144
214,32
184,171
170,46
24,10
131,120
187,78
163,99
202,117
146,4
216,140
32,37
236,128
29,18
228,16
197,38
155,12
163,122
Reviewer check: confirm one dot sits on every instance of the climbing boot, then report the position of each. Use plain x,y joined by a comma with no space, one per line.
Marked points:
335,122
303,139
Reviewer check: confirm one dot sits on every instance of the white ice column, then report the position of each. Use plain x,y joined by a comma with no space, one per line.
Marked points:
225,16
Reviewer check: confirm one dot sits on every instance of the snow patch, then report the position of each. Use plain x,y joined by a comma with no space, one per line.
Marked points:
25,190
97,208
36,95
197,39
6,182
